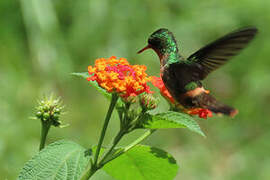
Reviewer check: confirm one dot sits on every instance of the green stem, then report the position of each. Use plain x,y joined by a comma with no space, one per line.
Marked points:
115,142
88,173
93,169
140,139
45,127
105,125
134,143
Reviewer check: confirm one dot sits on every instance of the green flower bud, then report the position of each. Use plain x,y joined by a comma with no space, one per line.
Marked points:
46,107
38,114
49,111
46,116
148,101
131,99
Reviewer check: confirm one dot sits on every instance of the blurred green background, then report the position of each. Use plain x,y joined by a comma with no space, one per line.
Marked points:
43,41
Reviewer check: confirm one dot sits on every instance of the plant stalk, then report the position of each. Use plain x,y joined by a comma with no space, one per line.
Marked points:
45,127
116,140
134,143
105,125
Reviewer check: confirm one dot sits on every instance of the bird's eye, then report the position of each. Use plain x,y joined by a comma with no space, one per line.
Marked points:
154,41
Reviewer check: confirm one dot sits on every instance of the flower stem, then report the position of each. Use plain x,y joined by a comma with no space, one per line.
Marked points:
114,143
140,139
134,143
88,173
45,127
92,168
105,125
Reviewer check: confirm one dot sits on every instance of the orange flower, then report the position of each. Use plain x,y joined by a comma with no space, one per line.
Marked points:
117,75
202,113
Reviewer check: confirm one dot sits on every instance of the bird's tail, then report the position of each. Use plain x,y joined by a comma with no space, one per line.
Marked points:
207,101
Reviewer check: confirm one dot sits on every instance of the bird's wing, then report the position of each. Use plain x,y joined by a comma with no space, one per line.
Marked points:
217,53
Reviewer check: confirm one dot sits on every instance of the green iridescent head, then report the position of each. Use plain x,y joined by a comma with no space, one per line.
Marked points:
162,41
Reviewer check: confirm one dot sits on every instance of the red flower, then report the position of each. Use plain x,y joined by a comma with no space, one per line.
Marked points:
202,113
157,82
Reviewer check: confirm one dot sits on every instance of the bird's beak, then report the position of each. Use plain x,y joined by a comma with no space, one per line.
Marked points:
143,49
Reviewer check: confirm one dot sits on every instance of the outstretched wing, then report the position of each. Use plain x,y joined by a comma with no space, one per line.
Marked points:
217,53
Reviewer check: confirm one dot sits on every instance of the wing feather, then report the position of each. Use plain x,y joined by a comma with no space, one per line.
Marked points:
217,53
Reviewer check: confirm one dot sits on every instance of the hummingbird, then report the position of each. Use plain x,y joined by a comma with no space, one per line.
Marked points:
183,76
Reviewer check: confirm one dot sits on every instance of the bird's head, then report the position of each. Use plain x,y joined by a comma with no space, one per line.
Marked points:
161,41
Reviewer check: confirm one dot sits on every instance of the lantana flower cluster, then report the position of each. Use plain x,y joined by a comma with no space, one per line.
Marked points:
201,112
117,75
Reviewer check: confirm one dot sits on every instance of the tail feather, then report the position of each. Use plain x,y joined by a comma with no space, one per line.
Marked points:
207,101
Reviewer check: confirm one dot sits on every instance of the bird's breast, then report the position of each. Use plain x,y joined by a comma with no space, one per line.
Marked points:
195,92
177,88
170,81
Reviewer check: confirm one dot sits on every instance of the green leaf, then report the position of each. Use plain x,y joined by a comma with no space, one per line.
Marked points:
170,119
82,74
62,160
143,163
93,83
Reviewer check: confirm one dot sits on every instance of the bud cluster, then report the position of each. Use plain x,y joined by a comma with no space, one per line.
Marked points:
49,110
148,101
